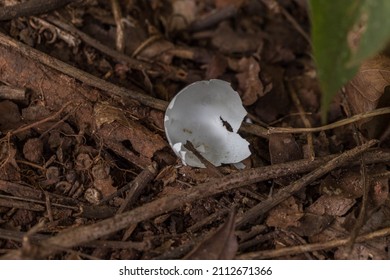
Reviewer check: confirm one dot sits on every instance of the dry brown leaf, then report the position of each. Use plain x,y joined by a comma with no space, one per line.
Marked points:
216,67
348,185
334,230
331,205
221,245
370,250
249,82
366,92
286,214
312,224
365,89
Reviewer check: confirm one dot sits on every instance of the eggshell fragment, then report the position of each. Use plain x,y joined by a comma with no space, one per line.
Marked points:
208,114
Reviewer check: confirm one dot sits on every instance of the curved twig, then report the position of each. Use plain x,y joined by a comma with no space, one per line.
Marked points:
355,118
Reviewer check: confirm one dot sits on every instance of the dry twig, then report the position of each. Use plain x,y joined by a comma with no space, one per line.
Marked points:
117,11
137,186
295,250
305,120
352,119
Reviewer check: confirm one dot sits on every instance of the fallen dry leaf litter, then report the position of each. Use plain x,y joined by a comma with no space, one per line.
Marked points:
86,170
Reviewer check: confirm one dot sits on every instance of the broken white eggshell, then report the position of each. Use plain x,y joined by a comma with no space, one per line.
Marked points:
208,114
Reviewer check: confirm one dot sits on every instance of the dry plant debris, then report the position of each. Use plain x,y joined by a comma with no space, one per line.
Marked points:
85,167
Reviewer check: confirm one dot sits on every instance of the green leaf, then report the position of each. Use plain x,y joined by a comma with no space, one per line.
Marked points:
344,33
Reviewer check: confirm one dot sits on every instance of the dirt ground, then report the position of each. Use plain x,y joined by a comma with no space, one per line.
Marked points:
86,171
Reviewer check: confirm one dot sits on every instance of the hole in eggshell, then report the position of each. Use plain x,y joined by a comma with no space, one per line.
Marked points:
226,125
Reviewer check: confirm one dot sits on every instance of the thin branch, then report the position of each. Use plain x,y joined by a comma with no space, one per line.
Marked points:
295,250
209,166
305,120
29,203
117,12
10,203
47,119
137,186
352,119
